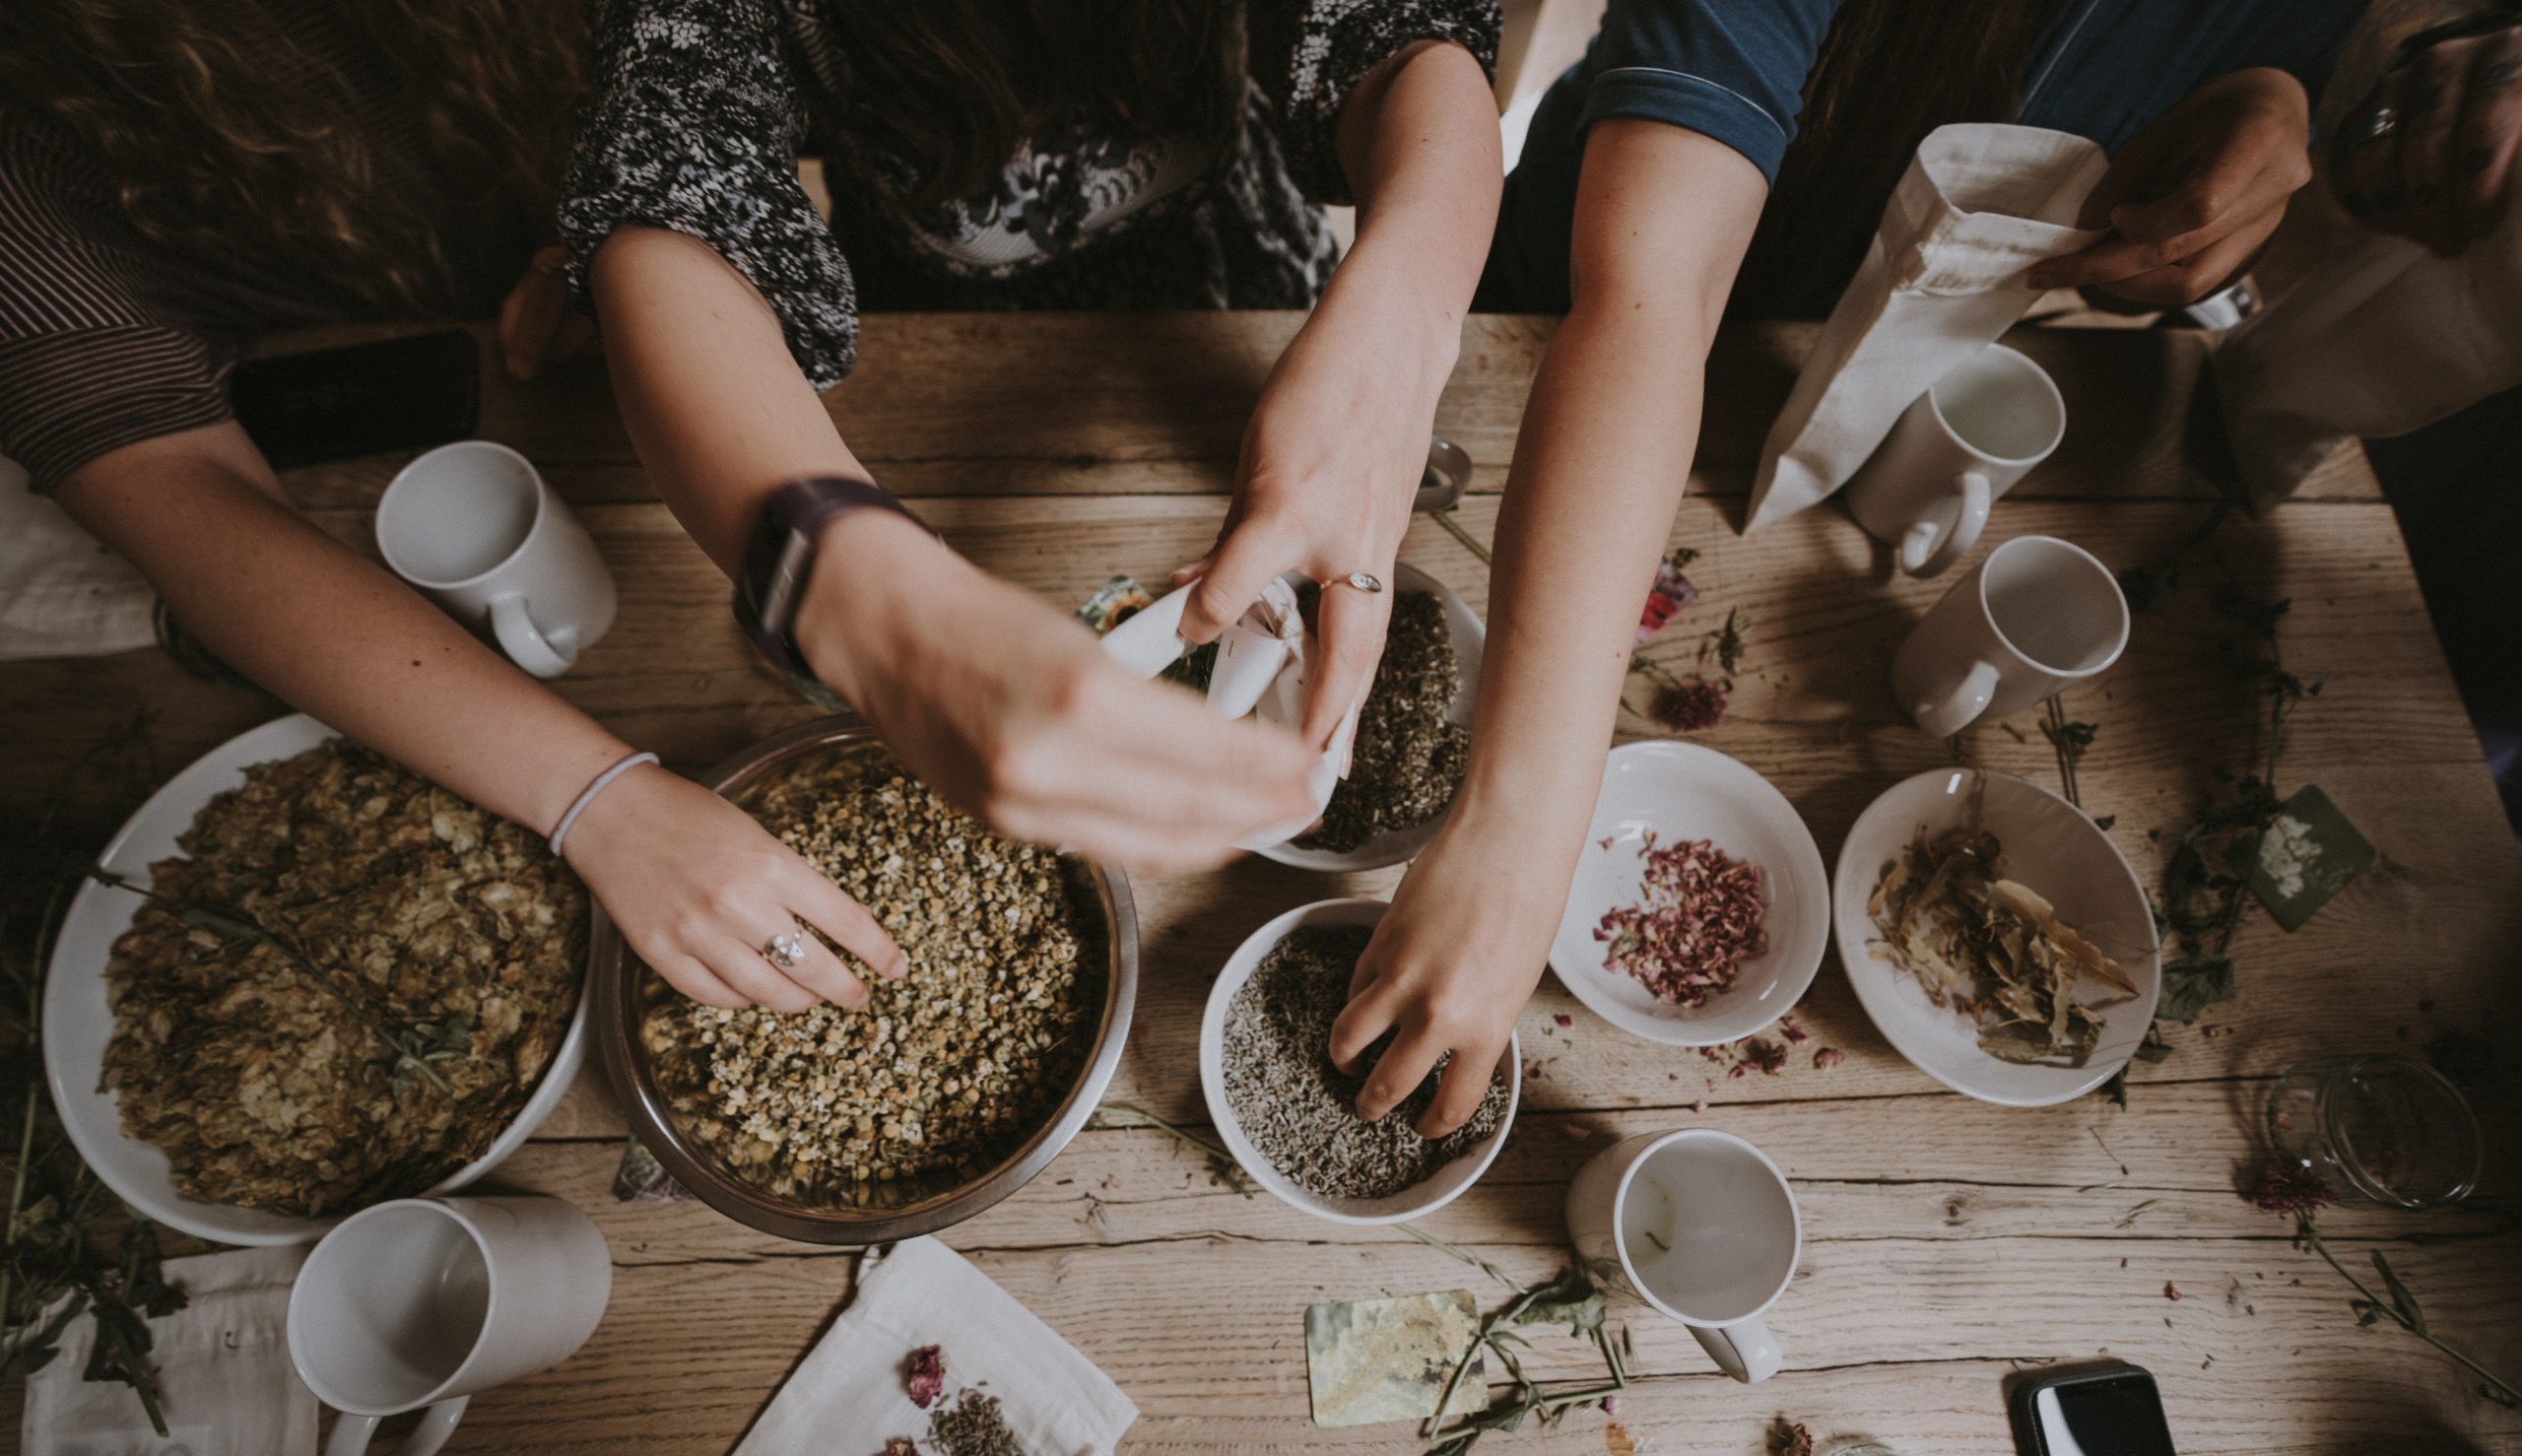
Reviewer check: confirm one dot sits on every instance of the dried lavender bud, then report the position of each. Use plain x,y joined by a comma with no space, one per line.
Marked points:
1299,1110
1410,755
973,1426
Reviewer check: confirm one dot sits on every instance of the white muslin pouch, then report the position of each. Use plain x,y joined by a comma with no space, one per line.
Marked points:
1261,669
224,1380
849,1395
2383,338
63,593
1979,205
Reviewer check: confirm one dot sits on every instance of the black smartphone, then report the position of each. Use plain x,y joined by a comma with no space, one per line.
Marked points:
2103,1410
362,399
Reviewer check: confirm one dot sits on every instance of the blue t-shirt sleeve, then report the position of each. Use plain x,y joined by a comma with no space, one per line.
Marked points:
1733,70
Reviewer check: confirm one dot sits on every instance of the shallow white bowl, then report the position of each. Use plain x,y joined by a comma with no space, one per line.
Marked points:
1440,1188
1683,791
78,1022
1395,846
2048,845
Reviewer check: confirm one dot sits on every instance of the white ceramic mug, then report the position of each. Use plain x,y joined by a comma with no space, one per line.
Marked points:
1699,1225
2036,615
428,1301
474,525
1928,488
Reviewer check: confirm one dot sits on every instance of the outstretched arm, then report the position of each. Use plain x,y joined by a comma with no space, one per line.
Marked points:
1662,215
694,884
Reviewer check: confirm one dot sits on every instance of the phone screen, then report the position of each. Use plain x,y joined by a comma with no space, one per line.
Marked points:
2117,1416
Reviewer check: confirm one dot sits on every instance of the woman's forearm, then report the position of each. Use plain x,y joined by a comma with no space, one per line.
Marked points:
719,413
1600,465
330,632
1419,144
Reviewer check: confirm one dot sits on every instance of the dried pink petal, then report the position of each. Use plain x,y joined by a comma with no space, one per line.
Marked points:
1828,1057
926,1376
2171,1290
1698,918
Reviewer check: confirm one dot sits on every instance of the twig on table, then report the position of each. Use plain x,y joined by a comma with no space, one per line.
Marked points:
1465,1255
1221,1163
1447,519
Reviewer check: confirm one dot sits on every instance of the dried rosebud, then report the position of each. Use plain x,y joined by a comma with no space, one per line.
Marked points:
2293,1191
926,1376
1611,1405
1789,1439
1693,706
901,1445
2171,1290
1562,1021
1794,1033
1828,1057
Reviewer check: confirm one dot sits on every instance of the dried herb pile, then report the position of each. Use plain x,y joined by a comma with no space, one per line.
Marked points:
347,987
946,1069
1410,755
1990,948
1298,1109
1698,916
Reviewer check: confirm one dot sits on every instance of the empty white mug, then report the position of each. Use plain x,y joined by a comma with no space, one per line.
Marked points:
476,527
2036,615
428,1301
1699,1225
1928,486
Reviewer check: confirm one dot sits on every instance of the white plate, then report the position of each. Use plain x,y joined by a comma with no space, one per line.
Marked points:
2048,845
1682,791
1442,1187
1395,846
78,1022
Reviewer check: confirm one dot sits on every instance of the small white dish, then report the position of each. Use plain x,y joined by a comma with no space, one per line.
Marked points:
2046,843
1397,846
79,1021
1442,1187
1680,791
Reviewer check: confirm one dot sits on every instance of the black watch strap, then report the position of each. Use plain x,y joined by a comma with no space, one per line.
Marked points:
781,556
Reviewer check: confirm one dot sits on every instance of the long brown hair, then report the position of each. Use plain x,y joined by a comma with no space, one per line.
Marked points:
963,81
1889,72
228,137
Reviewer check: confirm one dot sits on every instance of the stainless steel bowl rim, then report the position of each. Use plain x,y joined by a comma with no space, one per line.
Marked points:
612,982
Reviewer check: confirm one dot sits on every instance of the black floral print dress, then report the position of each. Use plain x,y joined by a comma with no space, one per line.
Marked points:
703,106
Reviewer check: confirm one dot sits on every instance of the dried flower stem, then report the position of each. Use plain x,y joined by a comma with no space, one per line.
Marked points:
2400,1309
1447,519
1219,1160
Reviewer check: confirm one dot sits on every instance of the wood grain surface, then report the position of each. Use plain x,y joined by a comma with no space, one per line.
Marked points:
1950,1243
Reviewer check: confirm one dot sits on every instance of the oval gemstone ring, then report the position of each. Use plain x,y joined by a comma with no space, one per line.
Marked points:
1363,581
785,949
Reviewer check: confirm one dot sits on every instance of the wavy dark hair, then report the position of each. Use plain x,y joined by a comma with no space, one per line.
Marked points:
230,137
964,81
1889,72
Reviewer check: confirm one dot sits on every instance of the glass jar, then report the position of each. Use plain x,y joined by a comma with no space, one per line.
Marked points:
2378,1128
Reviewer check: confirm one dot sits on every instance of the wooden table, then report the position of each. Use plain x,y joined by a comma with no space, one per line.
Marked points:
1950,1243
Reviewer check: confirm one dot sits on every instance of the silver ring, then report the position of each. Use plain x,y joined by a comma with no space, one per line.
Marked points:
1362,581
2384,121
785,949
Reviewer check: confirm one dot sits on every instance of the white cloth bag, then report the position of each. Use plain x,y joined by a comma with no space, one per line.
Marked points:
850,1395
2383,338
1980,204
223,1372
63,593
1261,668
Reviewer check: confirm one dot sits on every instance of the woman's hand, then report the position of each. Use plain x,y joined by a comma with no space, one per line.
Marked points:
1331,463
1012,712
2192,198
698,887
1448,970
2428,153
536,325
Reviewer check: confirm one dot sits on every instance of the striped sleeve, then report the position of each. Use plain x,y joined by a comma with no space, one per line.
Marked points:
85,365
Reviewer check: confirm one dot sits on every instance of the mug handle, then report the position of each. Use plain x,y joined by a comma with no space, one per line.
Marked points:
1744,1350
351,1433
1961,707
524,643
1922,555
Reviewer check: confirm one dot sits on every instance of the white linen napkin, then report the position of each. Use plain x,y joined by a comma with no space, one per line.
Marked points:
63,593
1261,668
2383,338
1980,203
849,1395
223,1373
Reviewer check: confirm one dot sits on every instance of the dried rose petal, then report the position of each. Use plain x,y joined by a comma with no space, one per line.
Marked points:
926,1376
1828,1057
2171,1290
1698,919
901,1445
1563,1020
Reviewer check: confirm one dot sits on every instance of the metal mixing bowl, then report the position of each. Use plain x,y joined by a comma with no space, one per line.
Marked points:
619,984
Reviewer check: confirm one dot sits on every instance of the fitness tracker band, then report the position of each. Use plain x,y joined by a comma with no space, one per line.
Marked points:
781,557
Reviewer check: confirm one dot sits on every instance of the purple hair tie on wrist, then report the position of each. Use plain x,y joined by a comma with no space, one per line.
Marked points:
587,795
